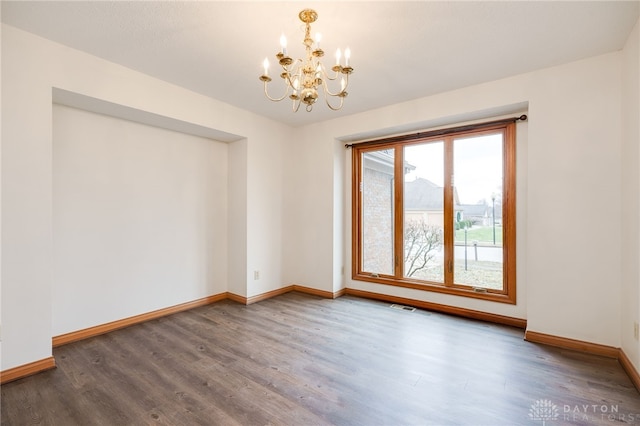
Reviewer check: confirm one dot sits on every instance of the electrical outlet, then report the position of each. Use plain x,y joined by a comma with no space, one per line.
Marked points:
636,330
256,275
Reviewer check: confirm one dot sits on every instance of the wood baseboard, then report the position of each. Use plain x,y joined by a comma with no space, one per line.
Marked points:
97,330
283,290
86,333
590,348
446,309
25,370
321,293
243,300
630,369
576,345
237,298
269,294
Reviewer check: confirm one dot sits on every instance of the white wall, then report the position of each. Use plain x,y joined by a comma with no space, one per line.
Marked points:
137,210
339,219
31,68
265,192
630,224
237,256
568,193
0,189
309,237
574,201
26,206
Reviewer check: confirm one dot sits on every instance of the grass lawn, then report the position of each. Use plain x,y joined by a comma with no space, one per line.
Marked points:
478,274
482,234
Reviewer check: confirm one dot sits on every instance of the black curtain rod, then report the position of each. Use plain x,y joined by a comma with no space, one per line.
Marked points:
442,132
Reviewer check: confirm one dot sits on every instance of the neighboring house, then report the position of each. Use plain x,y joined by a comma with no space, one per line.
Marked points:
424,200
377,198
478,214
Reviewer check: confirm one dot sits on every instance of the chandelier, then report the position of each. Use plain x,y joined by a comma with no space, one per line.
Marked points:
305,78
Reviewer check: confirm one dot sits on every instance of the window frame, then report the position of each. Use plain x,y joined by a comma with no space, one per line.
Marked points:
397,143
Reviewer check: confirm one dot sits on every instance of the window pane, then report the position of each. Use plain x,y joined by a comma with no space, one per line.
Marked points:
478,177
377,211
424,211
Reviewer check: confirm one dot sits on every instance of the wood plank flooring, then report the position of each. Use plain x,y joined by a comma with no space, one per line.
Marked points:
298,359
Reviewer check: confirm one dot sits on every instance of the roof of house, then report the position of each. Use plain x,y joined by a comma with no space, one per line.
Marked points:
422,194
474,210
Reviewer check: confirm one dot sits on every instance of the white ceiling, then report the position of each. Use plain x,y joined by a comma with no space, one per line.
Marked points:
400,50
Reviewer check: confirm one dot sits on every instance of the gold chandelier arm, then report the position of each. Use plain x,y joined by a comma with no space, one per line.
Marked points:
326,98
295,106
328,93
291,73
266,93
325,73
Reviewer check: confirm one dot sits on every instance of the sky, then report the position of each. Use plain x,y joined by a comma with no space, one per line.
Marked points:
477,166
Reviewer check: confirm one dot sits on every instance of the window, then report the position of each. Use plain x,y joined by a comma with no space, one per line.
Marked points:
436,211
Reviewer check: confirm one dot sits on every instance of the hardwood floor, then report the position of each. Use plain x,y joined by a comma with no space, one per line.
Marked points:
298,359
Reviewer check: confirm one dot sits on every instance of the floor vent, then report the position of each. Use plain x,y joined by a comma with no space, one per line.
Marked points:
403,307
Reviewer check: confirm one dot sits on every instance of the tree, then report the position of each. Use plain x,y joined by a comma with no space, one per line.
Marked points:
421,243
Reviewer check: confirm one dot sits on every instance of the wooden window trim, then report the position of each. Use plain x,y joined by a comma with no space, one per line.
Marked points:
508,294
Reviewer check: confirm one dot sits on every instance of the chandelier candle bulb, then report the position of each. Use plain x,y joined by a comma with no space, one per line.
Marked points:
306,79
347,55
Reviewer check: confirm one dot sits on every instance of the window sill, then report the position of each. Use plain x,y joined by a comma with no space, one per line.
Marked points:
464,291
